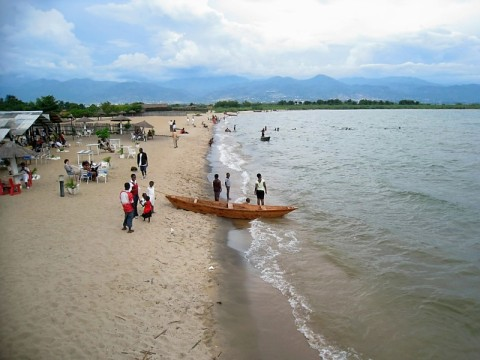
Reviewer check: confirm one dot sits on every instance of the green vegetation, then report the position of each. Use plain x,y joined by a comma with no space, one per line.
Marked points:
70,183
71,110
103,133
332,104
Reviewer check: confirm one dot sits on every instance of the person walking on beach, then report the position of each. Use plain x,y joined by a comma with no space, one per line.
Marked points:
126,199
217,187
260,189
227,185
142,161
151,194
175,139
134,190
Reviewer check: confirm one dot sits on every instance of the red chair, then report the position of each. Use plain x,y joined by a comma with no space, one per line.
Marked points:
15,189
29,182
4,189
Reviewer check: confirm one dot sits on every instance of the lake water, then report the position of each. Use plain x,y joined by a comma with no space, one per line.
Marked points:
382,258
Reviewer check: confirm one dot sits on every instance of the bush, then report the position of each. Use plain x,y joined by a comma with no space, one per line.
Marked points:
103,133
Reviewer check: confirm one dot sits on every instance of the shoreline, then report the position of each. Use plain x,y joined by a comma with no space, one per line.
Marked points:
254,319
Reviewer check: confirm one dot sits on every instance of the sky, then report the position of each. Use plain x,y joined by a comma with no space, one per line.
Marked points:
157,40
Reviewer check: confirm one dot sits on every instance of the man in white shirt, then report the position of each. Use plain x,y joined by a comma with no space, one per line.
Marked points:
260,189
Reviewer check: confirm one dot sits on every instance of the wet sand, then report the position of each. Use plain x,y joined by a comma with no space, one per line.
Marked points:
256,320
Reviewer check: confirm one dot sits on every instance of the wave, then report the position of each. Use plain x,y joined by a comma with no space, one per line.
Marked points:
266,253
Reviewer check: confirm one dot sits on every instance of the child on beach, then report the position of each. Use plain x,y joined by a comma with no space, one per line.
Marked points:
151,194
147,207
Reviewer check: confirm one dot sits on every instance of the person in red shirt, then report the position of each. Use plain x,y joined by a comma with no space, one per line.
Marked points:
147,207
126,199
134,190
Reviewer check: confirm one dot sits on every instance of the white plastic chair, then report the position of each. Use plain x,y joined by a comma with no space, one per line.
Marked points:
84,175
102,172
131,153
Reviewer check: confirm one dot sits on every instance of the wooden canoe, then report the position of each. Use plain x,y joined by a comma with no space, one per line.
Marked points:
229,210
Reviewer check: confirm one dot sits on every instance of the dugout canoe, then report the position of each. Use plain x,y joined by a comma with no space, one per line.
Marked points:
229,210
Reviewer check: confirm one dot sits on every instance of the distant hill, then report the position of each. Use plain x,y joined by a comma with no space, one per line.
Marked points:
209,90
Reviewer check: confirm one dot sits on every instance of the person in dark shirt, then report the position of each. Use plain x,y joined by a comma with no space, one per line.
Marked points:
217,187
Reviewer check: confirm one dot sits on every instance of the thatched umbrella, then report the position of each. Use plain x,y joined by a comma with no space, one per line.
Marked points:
144,124
11,150
100,114
84,120
121,119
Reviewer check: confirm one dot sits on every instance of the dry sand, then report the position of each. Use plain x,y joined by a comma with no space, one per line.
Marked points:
73,285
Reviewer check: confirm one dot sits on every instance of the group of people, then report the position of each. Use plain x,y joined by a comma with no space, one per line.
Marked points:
105,145
89,168
193,121
260,188
217,186
129,198
139,134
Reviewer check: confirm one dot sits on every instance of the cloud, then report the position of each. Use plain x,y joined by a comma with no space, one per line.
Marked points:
38,39
158,39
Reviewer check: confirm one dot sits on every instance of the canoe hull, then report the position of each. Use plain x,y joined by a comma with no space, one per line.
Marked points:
229,210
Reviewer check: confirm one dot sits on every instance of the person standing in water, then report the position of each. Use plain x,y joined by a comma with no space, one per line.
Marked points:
260,190
217,187
227,185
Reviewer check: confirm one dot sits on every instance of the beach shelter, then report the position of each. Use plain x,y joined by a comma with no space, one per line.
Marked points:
144,124
3,133
121,119
11,150
20,122
84,120
100,114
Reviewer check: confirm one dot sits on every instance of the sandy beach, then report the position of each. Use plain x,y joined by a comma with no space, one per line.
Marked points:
73,285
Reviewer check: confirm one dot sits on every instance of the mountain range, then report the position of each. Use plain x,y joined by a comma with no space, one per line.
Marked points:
208,90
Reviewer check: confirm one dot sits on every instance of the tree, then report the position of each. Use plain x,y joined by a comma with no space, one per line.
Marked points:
408,102
47,104
11,103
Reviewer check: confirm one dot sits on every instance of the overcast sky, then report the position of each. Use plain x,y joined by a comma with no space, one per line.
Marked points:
436,40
